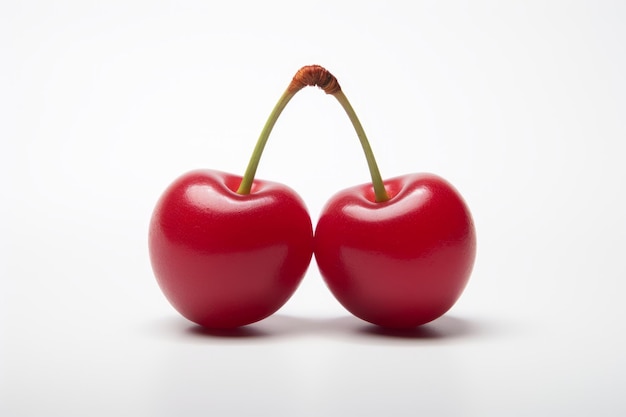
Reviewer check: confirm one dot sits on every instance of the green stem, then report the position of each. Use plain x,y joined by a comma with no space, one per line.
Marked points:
308,76
377,181
248,176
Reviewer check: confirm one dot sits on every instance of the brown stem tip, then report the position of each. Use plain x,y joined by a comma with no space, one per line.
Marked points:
314,75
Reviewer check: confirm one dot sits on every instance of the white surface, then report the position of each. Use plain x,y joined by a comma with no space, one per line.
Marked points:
521,105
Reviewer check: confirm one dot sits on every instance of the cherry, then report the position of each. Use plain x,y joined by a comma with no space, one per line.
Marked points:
396,253
226,250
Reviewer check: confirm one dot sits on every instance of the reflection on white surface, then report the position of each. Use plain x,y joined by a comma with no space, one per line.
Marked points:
308,366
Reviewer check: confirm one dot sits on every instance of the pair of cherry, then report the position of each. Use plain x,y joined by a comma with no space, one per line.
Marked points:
228,251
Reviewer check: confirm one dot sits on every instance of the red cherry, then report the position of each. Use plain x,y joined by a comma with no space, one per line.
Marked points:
224,259
398,263
396,253
228,251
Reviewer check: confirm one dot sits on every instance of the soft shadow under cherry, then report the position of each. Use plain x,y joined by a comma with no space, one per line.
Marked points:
243,332
445,327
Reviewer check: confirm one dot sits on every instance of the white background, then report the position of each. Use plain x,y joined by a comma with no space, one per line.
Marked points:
521,105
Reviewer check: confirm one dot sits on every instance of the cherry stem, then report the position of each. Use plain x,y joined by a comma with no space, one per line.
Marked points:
380,193
248,177
314,75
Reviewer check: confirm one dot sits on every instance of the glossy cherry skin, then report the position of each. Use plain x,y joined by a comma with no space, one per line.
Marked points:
225,260
401,263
